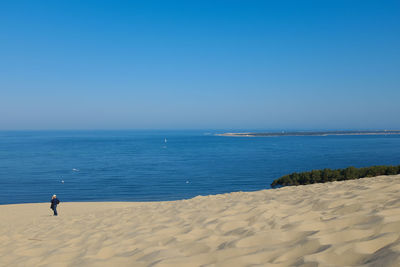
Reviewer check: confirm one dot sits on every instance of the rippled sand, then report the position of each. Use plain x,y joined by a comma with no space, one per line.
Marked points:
352,223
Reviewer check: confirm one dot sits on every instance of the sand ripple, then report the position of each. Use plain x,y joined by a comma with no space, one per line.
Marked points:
352,223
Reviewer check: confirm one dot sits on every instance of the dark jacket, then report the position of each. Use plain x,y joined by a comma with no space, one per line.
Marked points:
54,203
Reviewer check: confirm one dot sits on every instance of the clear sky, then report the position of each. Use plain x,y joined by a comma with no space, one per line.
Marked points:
199,64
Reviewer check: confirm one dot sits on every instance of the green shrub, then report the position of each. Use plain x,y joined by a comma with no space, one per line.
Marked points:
328,175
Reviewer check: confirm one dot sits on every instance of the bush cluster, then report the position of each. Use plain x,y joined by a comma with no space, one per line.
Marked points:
328,175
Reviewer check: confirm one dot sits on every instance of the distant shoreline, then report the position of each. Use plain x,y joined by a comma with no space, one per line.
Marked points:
322,133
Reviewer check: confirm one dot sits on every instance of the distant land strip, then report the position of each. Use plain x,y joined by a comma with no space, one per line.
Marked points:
323,133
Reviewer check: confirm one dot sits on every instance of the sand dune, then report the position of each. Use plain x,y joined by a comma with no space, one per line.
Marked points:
352,223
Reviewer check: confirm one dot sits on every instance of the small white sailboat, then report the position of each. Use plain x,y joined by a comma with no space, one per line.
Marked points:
165,140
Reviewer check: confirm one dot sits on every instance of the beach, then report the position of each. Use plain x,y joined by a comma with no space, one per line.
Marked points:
348,223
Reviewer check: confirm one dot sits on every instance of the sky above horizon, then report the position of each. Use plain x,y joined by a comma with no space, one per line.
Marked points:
199,64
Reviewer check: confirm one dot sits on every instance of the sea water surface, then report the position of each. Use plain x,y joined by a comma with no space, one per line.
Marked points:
168,165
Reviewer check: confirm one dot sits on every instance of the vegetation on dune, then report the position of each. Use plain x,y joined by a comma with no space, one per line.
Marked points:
329,175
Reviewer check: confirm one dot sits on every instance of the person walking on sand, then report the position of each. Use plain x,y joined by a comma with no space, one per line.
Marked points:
54,203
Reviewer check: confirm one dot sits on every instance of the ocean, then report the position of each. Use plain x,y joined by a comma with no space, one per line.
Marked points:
168,165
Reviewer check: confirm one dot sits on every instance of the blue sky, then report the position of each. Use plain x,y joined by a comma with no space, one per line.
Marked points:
199,64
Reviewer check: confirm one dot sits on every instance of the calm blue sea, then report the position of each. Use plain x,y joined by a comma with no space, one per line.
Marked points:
141,166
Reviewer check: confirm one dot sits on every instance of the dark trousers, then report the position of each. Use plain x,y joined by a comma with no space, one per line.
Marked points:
55,210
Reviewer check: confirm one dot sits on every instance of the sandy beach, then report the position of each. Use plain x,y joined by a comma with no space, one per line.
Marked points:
351,223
